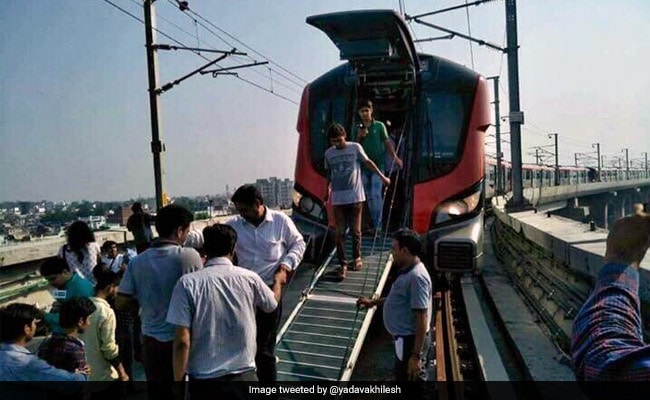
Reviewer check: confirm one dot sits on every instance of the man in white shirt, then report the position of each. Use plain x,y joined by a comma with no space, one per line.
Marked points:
269,244
114,260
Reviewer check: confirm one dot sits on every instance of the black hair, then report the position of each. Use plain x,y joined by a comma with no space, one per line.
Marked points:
53,266
172,217
79,235
247,194
410,239
219,240
136,207
73,310
105,277
13,319
108,244
363,103
335,130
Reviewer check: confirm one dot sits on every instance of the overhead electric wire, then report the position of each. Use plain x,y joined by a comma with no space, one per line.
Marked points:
201,41
204,26
199,16
469,33
299,92
199,54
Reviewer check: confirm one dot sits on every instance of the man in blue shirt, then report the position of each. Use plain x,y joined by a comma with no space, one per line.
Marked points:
607,340
407,312
29,377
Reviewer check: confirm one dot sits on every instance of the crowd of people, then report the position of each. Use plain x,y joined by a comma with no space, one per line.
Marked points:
201,315
205,306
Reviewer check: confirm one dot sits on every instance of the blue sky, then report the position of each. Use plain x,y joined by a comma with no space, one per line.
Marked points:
74,114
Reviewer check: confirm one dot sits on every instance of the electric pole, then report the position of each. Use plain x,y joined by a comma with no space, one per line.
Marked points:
576,158
627,163
157,146
598,158
557,163
537,156
497,126
646,163
516,116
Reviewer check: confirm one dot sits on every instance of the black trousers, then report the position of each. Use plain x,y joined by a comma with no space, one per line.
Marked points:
267,331
413,389
225,387
159,368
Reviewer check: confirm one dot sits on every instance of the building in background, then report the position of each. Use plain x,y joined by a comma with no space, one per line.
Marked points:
276,192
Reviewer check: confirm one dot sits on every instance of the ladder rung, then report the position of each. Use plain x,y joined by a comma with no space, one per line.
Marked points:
307,353
317,334
328,309
333,299
324,317
309,364
314,343
321,325
320,378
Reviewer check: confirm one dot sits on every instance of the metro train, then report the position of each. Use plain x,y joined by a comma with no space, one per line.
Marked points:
439,109
536,175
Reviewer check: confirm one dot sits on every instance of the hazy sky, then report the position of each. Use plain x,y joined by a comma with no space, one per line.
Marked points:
74,112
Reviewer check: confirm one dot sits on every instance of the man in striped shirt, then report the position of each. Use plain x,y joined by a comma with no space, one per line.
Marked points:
214,314
607,340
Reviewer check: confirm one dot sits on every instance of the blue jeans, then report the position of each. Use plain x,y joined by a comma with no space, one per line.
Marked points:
373,187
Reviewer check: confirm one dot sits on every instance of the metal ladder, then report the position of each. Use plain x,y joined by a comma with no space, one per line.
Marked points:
322,338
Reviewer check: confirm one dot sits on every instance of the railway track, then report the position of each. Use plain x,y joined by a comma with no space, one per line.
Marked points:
459,372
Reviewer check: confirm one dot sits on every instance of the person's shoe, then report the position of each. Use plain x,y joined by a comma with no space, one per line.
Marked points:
358,264
342,272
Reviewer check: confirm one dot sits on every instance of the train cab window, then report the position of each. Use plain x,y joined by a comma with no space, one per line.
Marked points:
324,112
443,119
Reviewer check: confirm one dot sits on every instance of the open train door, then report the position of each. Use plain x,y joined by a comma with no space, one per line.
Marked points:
370,39
380,48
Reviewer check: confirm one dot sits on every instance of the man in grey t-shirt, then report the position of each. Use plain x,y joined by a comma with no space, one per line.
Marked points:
407,311
343,161
214,314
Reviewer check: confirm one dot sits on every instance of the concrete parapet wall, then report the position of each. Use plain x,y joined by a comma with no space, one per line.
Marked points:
570,242
550,194
39,249
48,246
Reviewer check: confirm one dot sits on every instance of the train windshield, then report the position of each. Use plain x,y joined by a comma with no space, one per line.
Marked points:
443,118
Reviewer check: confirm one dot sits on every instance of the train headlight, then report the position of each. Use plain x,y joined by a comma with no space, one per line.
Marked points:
451,209
306,205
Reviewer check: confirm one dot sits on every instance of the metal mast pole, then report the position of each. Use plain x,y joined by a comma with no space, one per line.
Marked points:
627,163
557,163
646,164
575,155
598,158
516,116
497,126
157,147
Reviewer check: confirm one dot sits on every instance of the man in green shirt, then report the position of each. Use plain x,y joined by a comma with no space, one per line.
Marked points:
66,284
373,137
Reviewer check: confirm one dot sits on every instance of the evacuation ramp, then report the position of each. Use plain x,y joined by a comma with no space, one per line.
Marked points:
322,337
